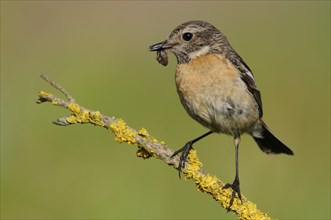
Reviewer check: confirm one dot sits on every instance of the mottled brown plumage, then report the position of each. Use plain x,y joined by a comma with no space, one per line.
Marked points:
217,89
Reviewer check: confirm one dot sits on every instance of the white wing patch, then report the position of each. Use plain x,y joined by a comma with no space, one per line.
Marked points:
250,75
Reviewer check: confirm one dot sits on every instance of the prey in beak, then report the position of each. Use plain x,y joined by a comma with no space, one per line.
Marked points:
161,54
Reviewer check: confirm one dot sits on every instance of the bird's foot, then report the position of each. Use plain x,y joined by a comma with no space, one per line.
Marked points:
235,189
184,154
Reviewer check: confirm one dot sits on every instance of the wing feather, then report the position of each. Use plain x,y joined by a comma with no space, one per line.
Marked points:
247,76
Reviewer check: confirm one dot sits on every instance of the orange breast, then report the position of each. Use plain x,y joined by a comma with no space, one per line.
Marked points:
212,92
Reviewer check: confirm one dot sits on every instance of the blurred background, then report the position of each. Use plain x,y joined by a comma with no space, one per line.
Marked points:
98,50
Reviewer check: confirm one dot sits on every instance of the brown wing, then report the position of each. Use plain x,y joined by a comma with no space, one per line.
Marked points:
251,86
247,76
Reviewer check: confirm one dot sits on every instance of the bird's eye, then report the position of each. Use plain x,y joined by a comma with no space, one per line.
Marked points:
187,36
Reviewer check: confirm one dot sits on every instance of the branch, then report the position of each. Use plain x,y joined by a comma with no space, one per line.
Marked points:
148,147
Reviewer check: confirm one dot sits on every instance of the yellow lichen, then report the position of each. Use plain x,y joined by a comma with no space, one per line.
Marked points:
122,132
74,108
194,165
144,133
43,93
83,116
72,119
96,118
212,185
44,96
207,183
143,153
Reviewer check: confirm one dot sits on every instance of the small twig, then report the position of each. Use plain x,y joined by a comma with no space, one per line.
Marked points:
58,87
148,146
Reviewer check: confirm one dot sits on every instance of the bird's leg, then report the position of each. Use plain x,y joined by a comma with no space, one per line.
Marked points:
235,185
185,151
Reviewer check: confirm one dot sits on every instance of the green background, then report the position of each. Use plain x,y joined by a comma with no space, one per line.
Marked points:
98,51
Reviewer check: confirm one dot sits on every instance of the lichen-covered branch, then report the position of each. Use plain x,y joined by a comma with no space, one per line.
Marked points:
148,146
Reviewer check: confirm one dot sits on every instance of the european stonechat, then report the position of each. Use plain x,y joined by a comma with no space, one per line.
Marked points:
217,89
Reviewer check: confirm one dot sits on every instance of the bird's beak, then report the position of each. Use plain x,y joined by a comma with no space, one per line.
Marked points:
161,46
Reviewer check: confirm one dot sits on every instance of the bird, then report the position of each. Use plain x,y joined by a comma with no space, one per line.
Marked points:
217,89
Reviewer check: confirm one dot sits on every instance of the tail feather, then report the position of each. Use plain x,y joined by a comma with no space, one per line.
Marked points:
268,142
